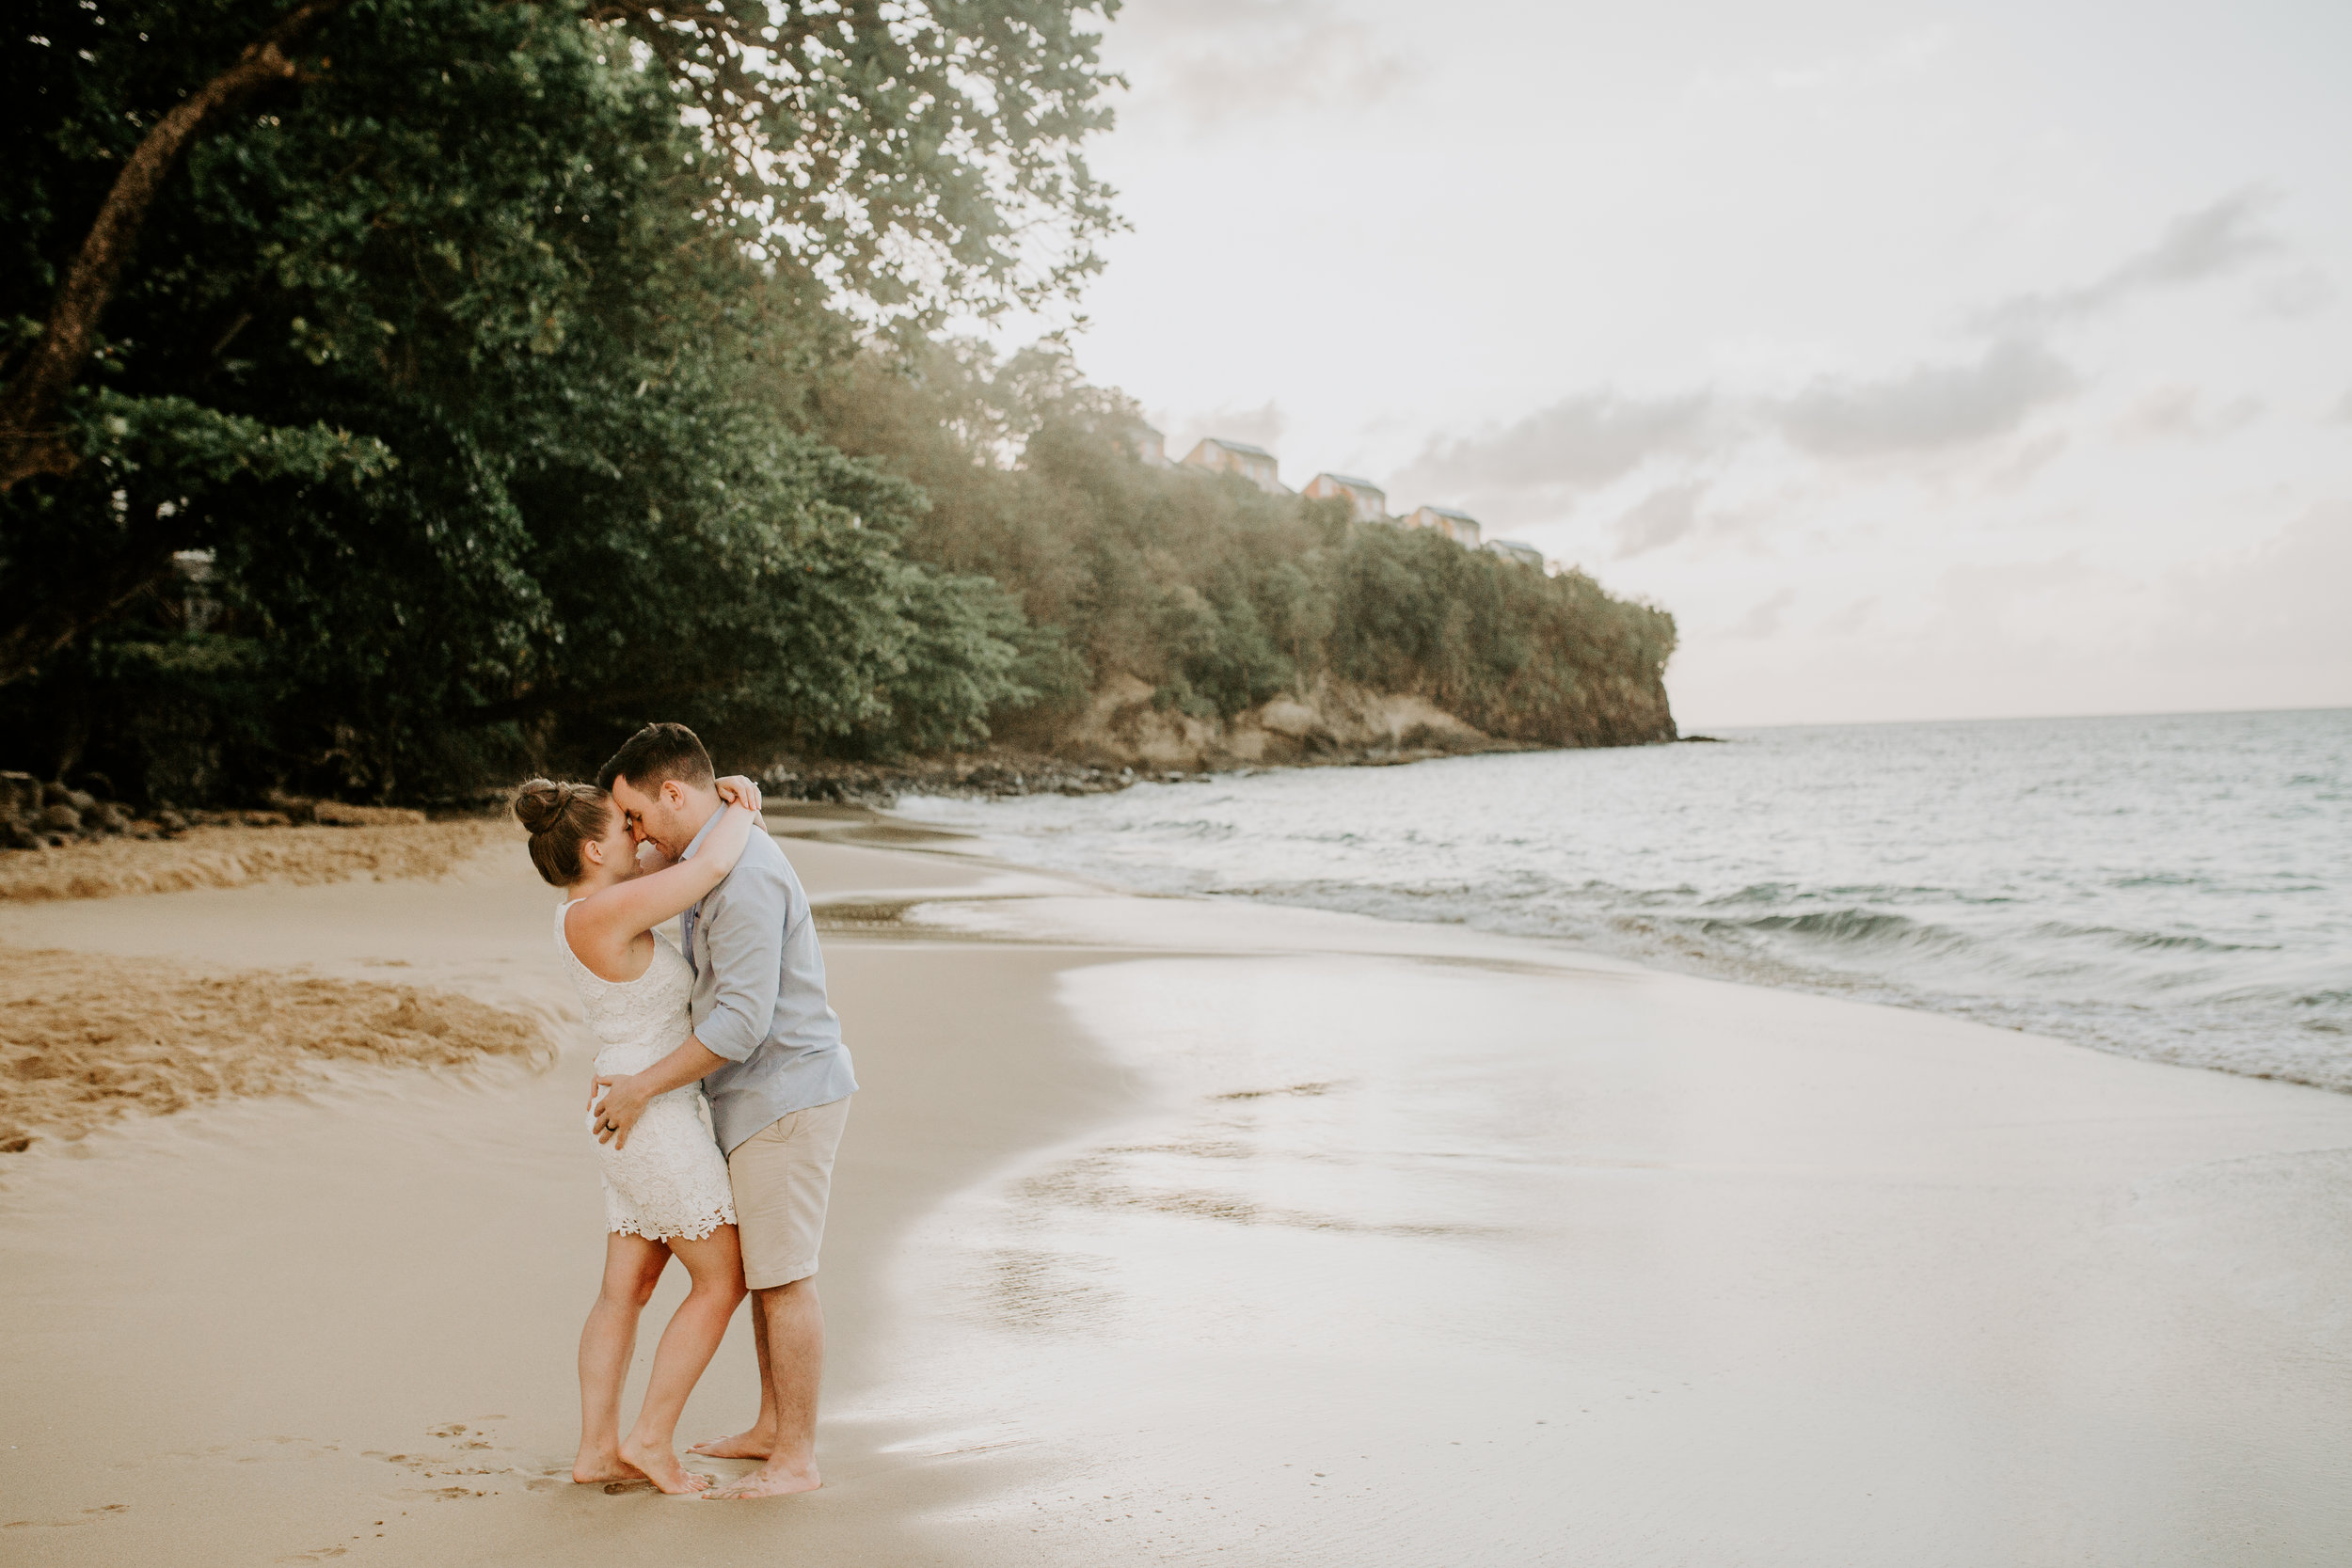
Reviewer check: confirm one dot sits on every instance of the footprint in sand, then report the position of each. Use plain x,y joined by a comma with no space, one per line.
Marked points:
88,1516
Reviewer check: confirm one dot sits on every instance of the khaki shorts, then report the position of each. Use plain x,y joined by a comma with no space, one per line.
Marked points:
782,1176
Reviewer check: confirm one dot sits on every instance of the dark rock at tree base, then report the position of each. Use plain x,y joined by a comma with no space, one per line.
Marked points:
299,808
988,776
35,814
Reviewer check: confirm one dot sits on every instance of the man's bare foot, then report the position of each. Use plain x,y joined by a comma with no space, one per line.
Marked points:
770,1480
589,1468
754,1444
661,1467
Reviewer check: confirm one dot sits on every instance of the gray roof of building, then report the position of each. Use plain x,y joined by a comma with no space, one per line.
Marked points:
1242,446
1449,511
1353,482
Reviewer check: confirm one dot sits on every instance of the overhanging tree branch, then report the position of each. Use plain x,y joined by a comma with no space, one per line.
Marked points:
31,439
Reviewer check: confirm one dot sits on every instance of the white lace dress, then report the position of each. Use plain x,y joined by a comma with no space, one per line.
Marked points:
671,1179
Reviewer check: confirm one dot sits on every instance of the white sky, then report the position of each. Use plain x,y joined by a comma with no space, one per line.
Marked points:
1926,361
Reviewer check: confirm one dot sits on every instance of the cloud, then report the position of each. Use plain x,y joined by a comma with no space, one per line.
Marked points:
1764,620
1213,61
2178,413
1927,407
1558,456
1852,618
2207,243
2296,294
1578,444
1658,519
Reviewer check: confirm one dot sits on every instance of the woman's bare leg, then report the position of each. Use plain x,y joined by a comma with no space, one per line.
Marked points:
632,1267
716,1266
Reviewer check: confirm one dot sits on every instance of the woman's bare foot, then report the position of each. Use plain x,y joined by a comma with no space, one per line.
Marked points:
661,1467
754,1444
770,1480
589,1468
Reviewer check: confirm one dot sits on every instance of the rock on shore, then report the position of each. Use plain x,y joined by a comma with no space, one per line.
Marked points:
48,815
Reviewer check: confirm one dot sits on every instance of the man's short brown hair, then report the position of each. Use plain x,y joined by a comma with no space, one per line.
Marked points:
660,755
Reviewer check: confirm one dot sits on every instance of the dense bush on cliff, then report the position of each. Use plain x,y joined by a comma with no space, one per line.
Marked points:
436,321
1216,593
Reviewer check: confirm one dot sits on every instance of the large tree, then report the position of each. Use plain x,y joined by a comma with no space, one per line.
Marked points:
455,327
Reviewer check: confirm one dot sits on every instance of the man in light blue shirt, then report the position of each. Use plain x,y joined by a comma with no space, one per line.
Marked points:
767,1048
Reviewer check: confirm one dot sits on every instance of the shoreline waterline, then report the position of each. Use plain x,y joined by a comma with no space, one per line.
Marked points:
2177,888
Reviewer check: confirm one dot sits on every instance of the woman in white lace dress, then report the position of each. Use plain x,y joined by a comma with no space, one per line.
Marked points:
665,1186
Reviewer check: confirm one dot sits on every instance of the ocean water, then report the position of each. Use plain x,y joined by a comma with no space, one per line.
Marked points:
2175,887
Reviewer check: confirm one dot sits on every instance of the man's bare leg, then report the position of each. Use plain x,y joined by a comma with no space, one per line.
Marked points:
794,1363
760,1440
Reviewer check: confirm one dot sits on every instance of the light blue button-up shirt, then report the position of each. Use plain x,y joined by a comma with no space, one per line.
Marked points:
759,994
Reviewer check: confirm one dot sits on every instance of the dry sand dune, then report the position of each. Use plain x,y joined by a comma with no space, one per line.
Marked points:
91,1036
235,857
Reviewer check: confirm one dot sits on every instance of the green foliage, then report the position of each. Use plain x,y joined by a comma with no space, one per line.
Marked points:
467,356
911,155
1220,595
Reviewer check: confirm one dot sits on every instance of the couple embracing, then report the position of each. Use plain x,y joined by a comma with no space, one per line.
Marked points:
737,1021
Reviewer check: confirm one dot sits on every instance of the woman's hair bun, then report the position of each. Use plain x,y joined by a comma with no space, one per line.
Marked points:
540,804
561,817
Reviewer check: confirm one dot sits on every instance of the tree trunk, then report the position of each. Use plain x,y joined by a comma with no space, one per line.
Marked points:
30,440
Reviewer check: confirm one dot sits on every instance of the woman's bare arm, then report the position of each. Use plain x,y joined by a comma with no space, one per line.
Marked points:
622,911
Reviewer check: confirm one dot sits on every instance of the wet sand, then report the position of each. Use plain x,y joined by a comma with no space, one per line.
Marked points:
1180,1231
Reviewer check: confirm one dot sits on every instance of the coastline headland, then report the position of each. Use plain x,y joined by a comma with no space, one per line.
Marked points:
1122,739
1179,1228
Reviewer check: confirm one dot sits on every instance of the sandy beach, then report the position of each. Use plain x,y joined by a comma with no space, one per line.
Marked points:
1185,1230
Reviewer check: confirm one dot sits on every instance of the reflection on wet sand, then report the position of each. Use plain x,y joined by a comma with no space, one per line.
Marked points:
1413,1263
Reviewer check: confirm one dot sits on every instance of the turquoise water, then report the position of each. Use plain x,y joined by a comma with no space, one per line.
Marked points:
2176,887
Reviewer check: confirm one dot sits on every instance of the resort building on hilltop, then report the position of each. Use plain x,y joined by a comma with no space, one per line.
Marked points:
1366,502
1510,549
1254,464
1149,445
1460,527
